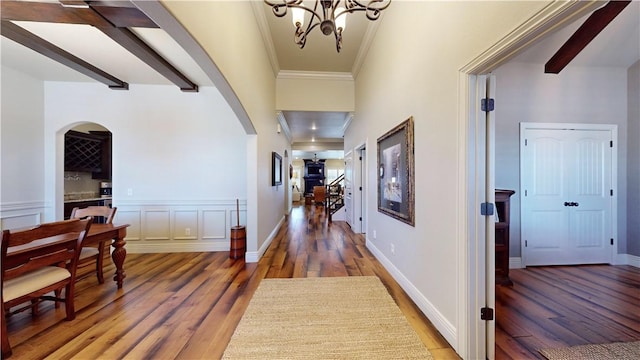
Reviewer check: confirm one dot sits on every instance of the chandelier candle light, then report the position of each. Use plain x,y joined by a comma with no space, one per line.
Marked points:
330,15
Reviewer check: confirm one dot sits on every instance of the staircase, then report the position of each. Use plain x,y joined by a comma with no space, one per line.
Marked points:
334,196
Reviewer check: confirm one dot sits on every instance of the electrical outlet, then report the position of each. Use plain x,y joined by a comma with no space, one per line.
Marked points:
129,192
393,249
187,231
374,234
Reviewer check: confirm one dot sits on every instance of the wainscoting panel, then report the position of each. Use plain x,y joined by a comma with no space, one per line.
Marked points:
178,226
134,219
214,222
185,224
157,225
21,215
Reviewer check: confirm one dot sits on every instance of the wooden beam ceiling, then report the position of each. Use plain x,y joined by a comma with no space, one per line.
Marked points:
113,19
37,44
598,20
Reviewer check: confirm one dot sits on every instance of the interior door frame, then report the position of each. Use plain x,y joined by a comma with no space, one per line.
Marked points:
613,129
472,339
359,189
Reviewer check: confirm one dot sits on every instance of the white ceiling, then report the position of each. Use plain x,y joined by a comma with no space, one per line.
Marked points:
618,45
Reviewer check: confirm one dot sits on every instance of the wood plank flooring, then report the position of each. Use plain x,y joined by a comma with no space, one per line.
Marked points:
561,306
187,305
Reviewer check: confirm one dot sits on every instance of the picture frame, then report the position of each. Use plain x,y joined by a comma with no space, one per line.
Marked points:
276,169
396,173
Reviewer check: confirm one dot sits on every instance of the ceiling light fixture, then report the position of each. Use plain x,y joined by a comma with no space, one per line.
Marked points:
330,15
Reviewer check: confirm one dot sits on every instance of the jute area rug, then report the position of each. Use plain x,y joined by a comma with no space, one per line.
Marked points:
613,351
324,318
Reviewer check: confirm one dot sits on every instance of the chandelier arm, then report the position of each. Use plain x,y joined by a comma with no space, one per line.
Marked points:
373,8
300,37
280,8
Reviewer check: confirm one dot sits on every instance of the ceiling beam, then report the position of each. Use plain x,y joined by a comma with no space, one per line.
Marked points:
35,43
598,20
103,17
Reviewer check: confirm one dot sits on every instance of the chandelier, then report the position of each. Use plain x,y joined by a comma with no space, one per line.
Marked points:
330,15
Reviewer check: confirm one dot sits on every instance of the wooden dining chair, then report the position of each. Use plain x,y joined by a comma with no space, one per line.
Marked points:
36,262
94,253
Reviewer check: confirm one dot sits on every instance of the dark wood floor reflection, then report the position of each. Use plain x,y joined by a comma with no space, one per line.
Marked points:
187,305
561,306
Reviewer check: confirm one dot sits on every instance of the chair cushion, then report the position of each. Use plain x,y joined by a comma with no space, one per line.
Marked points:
87,252
32,281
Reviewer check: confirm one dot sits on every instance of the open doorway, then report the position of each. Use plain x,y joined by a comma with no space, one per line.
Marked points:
478,195
87,167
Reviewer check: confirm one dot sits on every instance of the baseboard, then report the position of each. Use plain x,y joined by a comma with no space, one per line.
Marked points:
139,247
621,259
254,256
515,263
628,259
441,323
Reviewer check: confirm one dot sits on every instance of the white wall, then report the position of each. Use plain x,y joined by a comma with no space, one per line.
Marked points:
229,33
183,155
633,163
524,93
21,150
412,69
321,93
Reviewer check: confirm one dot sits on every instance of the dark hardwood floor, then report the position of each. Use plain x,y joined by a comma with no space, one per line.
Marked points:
561,306
187,305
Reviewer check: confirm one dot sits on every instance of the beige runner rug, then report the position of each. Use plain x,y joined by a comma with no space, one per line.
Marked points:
324,318
613,351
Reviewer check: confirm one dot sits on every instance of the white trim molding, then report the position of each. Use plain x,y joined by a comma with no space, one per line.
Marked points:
447,329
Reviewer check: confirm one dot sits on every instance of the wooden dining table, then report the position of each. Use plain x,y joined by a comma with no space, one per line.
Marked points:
115,233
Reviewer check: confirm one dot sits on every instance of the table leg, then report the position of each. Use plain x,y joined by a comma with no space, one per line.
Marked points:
118,256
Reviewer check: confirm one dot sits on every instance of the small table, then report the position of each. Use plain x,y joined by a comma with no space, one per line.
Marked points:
308,199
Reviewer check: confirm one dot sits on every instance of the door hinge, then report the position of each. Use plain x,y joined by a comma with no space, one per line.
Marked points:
611,143
526,244
611,241
487,105
360,158
611,192
360,219
486,209
526,142
360,188
486,313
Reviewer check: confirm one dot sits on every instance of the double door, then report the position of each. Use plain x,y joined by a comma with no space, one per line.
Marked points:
567,195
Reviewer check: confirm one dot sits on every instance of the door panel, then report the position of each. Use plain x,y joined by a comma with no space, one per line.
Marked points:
566,208
348,188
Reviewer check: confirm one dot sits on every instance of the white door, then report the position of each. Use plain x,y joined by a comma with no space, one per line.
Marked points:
348,189
362,191
567,194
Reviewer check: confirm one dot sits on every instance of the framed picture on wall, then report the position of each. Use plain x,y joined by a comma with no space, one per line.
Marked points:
276,169
396,172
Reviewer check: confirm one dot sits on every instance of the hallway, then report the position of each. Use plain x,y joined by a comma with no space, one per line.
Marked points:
187,305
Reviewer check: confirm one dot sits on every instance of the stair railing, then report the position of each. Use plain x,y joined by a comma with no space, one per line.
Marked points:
335,200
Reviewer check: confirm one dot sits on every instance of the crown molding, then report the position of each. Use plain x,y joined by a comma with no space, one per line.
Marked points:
284,126
365,45
314,75
263,26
